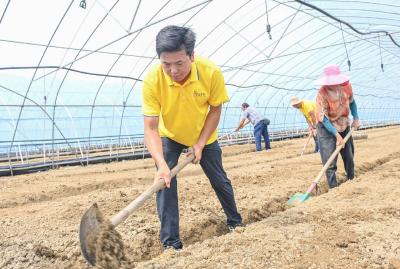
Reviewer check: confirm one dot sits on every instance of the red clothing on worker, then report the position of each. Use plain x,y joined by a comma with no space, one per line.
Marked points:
335,104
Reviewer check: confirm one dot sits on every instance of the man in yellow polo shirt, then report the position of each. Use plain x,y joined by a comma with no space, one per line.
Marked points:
308,109
182,103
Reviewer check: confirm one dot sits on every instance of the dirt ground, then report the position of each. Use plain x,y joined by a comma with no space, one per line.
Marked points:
356,225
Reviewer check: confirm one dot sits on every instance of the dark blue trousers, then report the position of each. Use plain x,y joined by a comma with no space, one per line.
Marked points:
327,145
261,129
316,143
167,199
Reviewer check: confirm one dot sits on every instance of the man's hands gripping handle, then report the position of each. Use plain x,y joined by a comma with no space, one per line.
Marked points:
164,174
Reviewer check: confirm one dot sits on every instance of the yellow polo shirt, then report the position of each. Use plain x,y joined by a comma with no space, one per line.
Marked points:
306,108
182,109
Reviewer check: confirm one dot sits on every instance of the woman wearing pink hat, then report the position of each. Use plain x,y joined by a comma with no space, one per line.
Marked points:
335,102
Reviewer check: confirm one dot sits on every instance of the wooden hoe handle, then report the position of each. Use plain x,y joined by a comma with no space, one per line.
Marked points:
139,201
328,163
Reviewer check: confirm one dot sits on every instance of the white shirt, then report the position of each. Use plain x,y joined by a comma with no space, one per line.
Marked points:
253,115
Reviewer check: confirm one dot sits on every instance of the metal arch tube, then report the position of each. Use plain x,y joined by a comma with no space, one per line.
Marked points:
40,61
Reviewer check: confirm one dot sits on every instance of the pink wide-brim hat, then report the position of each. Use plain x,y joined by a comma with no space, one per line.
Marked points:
332,76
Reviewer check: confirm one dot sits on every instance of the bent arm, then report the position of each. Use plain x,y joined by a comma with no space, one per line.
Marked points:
353,110
153,141
329,126
242,123
313,119
210,124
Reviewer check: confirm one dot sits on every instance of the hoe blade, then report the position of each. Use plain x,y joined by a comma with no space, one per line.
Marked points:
298,198
87,231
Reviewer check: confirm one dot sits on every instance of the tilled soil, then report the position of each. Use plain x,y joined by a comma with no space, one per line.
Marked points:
356,225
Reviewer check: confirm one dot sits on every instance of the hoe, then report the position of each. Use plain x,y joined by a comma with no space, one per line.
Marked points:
299,198
92,218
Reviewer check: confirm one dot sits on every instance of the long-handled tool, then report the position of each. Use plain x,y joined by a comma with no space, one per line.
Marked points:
227,135
300,197
360,135
92,217
305,145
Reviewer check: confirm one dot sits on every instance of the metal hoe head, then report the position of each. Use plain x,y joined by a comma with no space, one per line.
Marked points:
87,229
298,198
